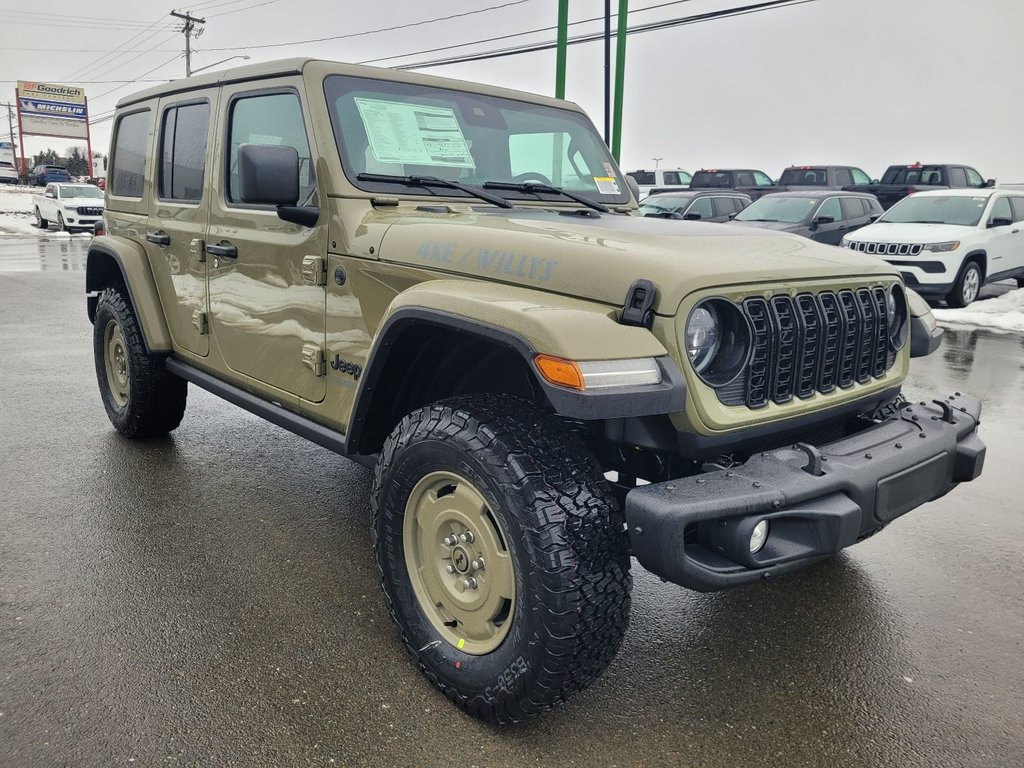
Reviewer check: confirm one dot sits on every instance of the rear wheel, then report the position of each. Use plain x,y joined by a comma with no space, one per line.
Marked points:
502,554
141,397
967,286
40,221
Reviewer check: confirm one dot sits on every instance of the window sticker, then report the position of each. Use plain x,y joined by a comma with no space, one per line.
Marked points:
606,185
414,134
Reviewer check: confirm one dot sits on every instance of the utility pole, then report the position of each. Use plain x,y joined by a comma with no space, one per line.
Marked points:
188,29
10,128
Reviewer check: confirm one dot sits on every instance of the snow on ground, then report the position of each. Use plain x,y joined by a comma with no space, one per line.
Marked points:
16,216
1003,313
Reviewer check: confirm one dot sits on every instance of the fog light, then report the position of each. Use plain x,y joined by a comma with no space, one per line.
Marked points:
758,537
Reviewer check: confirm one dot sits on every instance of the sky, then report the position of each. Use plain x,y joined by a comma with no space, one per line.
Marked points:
859,82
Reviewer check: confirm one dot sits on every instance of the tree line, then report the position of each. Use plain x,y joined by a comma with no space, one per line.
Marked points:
74,160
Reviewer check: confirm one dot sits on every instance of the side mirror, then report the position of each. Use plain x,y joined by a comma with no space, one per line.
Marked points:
633,187
268,174
999,223
693,217
732,216
873,218
819,220
990,183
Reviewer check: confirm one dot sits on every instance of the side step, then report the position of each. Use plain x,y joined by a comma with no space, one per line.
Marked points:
317,433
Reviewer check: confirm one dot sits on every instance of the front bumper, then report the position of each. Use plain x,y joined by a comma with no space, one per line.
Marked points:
695,531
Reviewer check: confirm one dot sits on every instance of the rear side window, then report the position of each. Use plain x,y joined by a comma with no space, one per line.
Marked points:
269,118
744,179
643,177
671,177
131,145
183,152
843,177
957,177
853,208
1018,208
711,179
726,205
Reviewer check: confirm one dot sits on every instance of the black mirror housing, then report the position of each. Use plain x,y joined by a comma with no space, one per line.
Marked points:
268,174
990,183
819,220
999,223
692,217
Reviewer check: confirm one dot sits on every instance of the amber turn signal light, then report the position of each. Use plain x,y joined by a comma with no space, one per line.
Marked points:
565,373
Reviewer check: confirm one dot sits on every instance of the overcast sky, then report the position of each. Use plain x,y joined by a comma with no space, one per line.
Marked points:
860,82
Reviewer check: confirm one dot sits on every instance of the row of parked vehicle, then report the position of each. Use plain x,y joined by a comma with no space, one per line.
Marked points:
897,182
947,242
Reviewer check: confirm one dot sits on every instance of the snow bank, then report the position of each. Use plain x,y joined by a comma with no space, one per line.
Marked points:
17,199
1004,313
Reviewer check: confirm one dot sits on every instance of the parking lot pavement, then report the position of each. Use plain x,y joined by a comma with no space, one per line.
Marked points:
211,599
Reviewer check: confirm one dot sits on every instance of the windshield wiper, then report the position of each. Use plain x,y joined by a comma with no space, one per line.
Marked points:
533,187
434,181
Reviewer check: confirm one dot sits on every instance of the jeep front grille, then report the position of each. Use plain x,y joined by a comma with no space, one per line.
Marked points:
89,211
812,343
888,249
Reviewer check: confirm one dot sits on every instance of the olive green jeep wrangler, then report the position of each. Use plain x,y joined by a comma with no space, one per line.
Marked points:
449,283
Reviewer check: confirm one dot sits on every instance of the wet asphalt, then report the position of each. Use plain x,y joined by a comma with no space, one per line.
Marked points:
211,600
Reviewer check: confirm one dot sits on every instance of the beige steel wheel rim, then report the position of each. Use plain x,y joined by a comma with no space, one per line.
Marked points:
459,563
115,356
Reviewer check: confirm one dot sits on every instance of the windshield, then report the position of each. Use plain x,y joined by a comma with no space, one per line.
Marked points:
804,177
920,174
918,209
711,179
662,203
791,210
89,192
401,129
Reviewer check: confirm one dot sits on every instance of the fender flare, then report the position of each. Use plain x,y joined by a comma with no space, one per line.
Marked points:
422,305
108,253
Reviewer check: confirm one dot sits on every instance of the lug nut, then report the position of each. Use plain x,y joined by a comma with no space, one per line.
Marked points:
469,582
477,565
467,537
452,540
450,568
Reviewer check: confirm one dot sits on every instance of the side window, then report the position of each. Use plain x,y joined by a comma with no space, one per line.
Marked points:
271,118
843,177
1001,210
183,152
672,177
830,208
131,145
859,177
853,208
957,177
701,205
974,178
761,179
724,206
1018,208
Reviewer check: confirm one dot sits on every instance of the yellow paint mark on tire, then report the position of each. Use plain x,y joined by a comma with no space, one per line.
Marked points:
462,642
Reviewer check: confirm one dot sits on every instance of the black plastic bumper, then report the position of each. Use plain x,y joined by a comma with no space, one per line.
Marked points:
696,531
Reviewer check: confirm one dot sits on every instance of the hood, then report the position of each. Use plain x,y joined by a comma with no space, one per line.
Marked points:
599,257
909,233
776,226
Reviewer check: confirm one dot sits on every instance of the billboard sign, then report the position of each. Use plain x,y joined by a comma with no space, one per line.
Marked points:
6,152
50,109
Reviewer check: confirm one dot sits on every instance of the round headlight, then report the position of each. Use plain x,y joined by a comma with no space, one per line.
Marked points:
702,337
717,339
897,316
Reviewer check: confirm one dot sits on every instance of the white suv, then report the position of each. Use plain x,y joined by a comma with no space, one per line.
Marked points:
948,243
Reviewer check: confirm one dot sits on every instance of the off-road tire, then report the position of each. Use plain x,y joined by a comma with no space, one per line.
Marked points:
41,222
563,530
955,298
156,397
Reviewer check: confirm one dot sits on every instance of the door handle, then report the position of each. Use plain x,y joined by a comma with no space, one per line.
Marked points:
224,251
158,238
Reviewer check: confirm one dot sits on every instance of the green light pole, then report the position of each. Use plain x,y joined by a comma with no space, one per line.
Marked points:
563,43
620,77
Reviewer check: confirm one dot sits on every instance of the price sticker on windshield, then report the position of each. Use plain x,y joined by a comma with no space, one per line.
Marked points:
606,185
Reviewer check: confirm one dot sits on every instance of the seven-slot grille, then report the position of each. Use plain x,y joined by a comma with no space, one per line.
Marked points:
89,211
812,343
888,249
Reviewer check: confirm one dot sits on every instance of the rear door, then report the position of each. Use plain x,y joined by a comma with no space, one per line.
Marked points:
267,312
179,213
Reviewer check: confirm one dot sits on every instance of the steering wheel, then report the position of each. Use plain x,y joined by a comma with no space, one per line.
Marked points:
531,176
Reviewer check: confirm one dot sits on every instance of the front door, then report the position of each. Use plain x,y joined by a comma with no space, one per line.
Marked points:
831,232
267,312
179,213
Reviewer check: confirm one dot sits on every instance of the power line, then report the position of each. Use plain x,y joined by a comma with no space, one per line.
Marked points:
372,31
129,82
243,8
87,68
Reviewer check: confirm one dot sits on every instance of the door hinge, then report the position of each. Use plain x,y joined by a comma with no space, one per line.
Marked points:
197,248
201,323
314,270
313,358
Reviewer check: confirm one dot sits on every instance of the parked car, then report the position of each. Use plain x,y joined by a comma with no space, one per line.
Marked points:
694,205
46,174
750,182
69,206
898,181
660,180
822,215
821,177
949,243
8,173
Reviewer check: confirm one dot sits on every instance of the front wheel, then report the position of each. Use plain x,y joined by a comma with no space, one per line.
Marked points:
967,286
141,397
40,221
502,555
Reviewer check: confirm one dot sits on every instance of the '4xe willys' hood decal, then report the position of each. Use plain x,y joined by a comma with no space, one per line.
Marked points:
599,257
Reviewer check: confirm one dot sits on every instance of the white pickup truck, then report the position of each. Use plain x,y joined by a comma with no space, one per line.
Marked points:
69,206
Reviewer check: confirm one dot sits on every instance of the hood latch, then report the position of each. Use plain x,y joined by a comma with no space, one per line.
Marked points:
639,307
